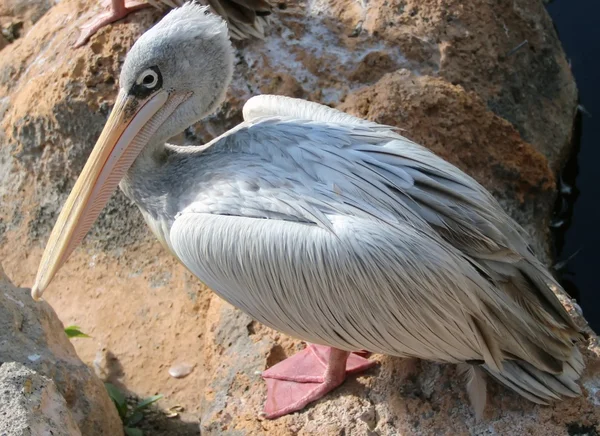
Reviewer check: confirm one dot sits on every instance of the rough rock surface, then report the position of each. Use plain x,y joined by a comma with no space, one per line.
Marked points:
31,404
18,16
39,364
455,75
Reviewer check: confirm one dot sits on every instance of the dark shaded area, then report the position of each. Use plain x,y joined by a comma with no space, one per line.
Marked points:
578,210
157,422
581,430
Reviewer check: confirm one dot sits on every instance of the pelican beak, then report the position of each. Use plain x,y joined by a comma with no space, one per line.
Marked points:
129,128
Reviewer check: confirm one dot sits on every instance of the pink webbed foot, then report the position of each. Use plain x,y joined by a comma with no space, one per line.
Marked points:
118,9
308,376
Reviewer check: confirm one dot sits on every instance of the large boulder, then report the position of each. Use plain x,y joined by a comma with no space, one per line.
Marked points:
31,405
42,380
484,84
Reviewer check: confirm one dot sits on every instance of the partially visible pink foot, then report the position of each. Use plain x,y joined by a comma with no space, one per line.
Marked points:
308,376
118,9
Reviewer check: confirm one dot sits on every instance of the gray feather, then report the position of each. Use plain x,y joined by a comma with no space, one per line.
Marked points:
476,387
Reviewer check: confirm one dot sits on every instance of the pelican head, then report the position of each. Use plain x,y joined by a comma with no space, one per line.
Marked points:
174,75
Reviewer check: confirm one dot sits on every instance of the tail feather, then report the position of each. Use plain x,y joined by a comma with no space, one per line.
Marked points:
515,386
476,387
541,280
537,385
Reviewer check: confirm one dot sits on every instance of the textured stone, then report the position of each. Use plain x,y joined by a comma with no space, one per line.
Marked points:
508,53
31,405
57,388
18,16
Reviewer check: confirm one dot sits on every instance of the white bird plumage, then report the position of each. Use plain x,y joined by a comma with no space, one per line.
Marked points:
340,231
355,237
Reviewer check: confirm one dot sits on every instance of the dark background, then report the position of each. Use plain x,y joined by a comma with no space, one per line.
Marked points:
578,25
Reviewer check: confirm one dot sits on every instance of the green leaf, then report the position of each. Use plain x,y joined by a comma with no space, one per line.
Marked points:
74,331
133,431
117,396
147,401
119,399
134,418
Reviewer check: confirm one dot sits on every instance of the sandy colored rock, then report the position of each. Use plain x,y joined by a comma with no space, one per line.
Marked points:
58,389
18,16
474,45
445,71
31,405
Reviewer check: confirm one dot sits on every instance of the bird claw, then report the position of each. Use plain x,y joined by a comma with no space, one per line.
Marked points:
115,13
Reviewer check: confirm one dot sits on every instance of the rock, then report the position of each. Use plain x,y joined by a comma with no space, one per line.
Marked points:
18,16
181,370
31,404
455,75
58,107
508,54
42,381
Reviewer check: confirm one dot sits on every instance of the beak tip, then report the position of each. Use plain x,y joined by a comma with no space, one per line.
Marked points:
36,292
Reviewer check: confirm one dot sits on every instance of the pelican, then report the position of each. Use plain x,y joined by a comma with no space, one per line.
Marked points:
328,228
246,18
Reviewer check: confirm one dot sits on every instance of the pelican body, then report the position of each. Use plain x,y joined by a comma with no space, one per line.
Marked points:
323,226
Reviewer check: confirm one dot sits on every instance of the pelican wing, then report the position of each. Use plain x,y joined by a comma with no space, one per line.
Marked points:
459,209
355,237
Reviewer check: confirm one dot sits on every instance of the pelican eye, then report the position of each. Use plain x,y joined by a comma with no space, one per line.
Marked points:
149,79
147,82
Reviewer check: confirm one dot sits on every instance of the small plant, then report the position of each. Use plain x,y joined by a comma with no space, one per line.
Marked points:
130,416
74,331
